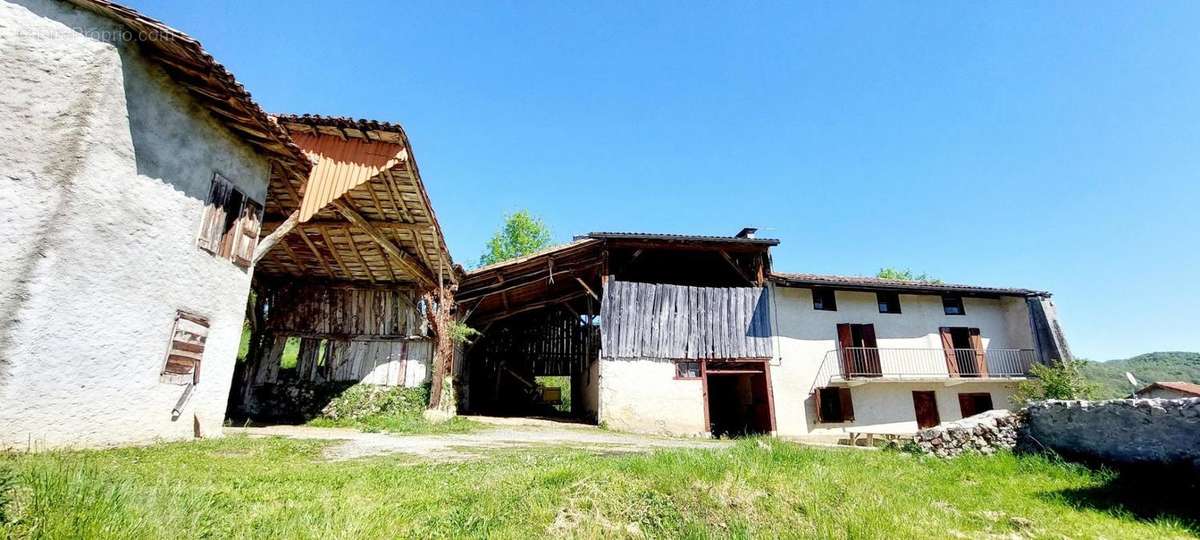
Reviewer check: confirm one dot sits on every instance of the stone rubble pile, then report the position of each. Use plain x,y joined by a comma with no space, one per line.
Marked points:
984,433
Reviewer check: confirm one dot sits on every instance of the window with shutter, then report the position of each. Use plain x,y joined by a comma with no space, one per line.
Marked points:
833,405
184,354
247,233
231,223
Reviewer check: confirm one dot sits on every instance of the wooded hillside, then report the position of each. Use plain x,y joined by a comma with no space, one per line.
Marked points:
1147,368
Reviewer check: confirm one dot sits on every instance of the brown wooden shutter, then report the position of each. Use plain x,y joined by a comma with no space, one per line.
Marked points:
246,238
847,404
948,348
845,339
980,353
186,351
966,406
868,334
817,406
870,358
211,225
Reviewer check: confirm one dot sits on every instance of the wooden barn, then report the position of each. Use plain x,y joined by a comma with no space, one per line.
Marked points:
595,310
349,275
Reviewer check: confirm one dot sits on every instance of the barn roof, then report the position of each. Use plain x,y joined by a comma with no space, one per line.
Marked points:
1178,386
863,283
683,238
212,86
364,214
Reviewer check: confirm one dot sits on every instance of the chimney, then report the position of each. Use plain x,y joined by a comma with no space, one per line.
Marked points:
747,232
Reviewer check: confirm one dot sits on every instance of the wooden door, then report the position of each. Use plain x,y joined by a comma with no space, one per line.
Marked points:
925,404
871,365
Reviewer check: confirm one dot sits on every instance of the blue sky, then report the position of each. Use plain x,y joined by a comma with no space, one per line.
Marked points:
1046,145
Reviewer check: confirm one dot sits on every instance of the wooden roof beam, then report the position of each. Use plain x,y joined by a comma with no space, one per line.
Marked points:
422,273
342,224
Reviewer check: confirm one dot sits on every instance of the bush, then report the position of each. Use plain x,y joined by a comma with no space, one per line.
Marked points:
1063,380
365,400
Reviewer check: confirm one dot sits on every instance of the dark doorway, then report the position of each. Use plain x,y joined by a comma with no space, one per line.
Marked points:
925,403
974,403
738,399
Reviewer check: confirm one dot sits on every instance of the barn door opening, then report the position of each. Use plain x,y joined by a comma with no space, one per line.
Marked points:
738,398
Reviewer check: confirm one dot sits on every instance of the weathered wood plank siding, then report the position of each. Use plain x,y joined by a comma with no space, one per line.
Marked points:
651,320
370,361
344,311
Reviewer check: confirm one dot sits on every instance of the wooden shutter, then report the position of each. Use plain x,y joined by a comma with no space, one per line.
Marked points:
212,224
980,353
246,237
847,404
948,347
965,405
186,351
817,406
845,339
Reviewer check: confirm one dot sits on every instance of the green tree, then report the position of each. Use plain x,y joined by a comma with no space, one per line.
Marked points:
1063,380
905,275
522,234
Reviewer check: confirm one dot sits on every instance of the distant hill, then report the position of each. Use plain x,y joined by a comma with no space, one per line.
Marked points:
1147,368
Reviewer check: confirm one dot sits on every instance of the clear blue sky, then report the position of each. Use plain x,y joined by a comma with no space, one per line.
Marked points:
1046,145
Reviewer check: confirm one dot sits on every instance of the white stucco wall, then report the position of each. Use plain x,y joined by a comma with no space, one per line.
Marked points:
106,167
805,337
642,395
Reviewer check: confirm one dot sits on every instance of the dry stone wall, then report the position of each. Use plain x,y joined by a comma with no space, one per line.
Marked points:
984,433
1120,432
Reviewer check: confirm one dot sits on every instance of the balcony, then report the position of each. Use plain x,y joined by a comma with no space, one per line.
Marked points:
859,365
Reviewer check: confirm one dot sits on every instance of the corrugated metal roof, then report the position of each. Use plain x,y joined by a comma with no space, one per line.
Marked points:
681,238
342,165
873,283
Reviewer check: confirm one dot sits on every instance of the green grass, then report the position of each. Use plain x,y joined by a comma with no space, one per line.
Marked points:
562,382
281,488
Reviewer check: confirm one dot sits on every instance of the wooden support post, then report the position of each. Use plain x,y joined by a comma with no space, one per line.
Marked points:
586,288
276,235
735,267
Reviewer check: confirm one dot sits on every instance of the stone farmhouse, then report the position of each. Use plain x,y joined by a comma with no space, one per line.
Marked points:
146,197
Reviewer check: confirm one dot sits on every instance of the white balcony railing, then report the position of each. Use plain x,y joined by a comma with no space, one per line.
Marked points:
850,363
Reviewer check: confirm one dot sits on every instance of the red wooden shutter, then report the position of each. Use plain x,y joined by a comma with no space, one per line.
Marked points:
847,404
845,339
980,353
948,347
871,364
966,405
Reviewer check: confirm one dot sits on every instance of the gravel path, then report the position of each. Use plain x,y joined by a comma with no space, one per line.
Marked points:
465,446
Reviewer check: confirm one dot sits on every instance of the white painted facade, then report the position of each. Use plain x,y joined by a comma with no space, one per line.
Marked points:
643,394
107,166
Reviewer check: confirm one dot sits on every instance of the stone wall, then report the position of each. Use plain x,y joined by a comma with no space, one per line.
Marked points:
1119,432
983,433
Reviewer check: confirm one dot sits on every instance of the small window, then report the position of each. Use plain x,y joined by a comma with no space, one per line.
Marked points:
687,369
186,350
824,300
231,223
953,305
834,405
889,302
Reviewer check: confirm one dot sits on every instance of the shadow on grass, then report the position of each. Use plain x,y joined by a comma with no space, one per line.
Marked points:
1146,494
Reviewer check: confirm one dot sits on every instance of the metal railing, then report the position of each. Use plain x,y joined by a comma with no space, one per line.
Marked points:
898,363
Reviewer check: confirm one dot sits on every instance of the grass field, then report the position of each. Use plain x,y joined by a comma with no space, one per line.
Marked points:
278,488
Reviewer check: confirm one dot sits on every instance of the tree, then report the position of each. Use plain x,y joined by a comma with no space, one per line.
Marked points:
1063,380
905,275
522,234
